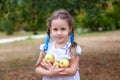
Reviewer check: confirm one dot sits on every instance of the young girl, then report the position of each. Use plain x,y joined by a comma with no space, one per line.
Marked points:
61,30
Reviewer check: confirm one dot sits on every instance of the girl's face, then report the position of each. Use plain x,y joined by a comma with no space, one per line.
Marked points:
60,31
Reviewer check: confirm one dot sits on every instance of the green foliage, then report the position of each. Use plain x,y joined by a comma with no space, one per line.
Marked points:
116,13
93,11
91,15
8,26
96,17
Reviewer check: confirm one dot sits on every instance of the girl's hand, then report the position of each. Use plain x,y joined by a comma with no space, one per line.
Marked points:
53,69
46,65
57,71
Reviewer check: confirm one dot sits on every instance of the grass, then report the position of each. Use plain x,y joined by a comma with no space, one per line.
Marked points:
99,61
16,34
17,60
95,34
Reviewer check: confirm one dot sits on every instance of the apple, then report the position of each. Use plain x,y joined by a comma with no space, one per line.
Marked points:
64,63
49,58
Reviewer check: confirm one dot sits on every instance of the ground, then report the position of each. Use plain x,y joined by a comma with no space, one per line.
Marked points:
99,60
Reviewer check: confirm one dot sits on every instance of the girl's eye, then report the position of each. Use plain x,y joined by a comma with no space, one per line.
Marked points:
55,29
63,29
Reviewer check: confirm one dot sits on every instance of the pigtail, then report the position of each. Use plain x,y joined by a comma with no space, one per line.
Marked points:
73,46
46,43
71,37
47,40
41,56
42,53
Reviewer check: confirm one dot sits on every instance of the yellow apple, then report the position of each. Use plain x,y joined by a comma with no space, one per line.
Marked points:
64,63
49,58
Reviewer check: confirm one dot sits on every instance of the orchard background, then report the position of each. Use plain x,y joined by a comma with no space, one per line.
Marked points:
97,29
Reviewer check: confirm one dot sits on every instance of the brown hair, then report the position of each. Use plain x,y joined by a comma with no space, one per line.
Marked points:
62,14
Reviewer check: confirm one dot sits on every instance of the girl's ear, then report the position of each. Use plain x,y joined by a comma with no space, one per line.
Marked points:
70,30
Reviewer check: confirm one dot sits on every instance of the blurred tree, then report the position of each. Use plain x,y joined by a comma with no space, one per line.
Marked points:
30,15
116,13
93,10
8,15
8,26
2,12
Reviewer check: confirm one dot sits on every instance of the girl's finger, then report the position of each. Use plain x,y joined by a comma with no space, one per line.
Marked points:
62,73
42,64
53,67
59,70
48,63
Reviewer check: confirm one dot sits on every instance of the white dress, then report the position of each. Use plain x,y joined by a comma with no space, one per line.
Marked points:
60,53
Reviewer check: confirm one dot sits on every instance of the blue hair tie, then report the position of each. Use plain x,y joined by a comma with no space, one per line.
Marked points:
71,37
46,43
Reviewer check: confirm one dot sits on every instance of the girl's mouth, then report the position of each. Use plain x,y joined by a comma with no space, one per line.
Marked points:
59,37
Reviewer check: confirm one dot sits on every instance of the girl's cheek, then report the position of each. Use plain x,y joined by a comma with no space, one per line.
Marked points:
65,33
54,33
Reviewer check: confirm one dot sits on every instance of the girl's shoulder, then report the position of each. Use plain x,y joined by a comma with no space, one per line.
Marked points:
78,50
42,45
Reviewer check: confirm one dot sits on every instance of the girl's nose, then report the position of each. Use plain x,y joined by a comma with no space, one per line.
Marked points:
59,32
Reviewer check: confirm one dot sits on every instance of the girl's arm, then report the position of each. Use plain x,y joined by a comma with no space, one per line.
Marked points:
46,69
41,71
52,72
74,63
